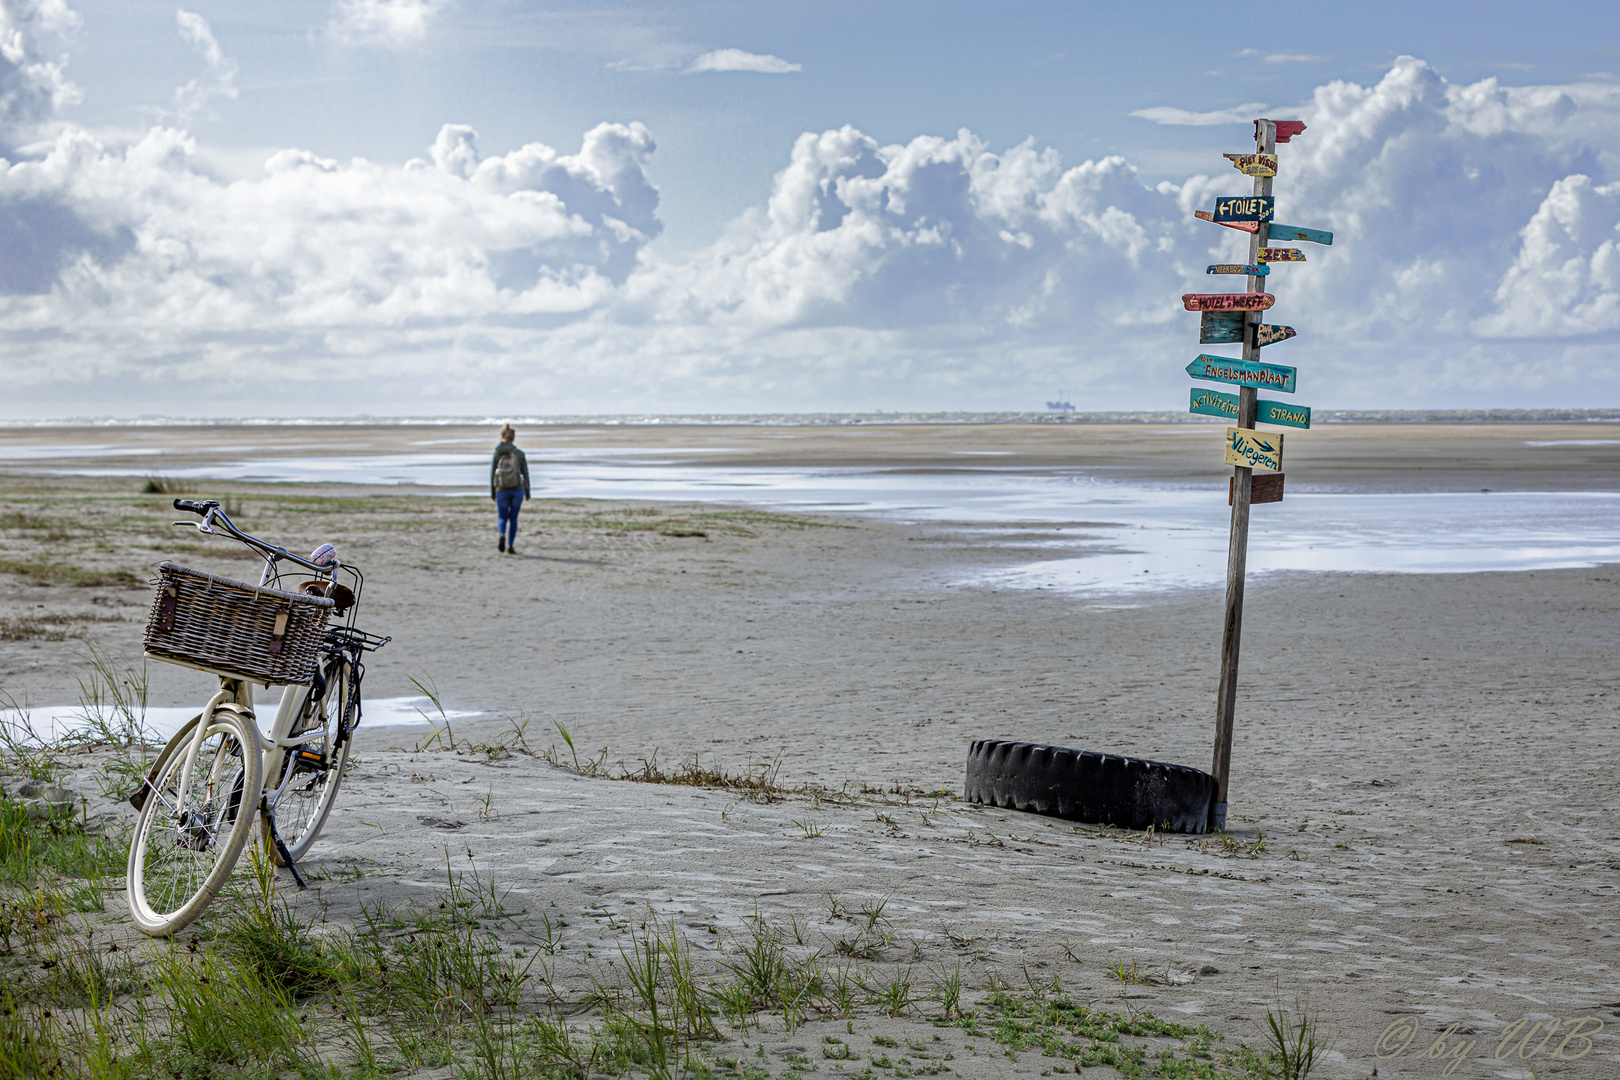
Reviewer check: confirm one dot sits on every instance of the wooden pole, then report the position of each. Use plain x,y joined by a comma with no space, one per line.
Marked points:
1265,142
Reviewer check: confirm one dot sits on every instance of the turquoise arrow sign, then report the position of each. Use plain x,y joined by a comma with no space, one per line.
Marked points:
1215,403
1242,372
1287,233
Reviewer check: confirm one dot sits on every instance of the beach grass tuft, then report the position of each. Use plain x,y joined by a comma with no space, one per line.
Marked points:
1294,1040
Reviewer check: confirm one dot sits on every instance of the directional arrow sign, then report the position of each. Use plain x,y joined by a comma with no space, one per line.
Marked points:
1271,255
1266,334
1253,301
1215,403
1242,372
1292,233
1282,414
1254,449
1238,268
1254,164
1244,208
1243,226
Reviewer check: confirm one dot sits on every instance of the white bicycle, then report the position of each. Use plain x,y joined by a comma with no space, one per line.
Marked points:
208,788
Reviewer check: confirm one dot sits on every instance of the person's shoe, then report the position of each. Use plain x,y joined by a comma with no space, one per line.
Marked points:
512,550
500,543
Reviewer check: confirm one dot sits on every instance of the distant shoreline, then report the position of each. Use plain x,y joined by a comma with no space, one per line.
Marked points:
1319,416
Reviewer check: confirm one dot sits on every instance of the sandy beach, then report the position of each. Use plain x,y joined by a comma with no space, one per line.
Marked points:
1423,810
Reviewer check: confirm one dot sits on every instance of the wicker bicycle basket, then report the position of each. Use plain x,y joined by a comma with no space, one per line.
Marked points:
234,629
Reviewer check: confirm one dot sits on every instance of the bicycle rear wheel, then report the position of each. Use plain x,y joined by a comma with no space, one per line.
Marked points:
181,854
315,768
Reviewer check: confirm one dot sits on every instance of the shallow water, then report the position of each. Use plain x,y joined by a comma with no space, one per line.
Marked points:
1136,538
52,722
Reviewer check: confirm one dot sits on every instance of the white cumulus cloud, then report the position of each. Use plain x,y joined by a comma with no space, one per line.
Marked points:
388,23
197,96
33,79
1565,281
738,60
141,246
1165,114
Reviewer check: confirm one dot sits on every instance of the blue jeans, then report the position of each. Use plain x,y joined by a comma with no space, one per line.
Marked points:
506,511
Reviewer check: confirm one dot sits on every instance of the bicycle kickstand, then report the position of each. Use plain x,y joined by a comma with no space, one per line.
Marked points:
281,849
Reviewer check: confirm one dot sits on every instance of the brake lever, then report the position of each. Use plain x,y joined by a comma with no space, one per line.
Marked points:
200,526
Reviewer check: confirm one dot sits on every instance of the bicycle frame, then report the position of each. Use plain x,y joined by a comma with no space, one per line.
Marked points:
238,694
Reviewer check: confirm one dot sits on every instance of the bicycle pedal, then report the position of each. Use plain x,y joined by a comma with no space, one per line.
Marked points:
311,757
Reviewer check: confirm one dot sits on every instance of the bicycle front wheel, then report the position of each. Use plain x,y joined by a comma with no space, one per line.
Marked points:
183,849
310,775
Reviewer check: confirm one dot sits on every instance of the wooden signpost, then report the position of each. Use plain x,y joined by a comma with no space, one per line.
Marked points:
1237,268
1253,164
1249,301
1242,372
1232,319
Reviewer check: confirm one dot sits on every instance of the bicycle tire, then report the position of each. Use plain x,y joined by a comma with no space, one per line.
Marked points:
305,804
178,862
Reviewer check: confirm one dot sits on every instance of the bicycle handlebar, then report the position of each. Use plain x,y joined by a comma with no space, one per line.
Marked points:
212,515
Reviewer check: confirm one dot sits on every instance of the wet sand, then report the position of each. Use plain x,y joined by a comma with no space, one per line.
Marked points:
1429,760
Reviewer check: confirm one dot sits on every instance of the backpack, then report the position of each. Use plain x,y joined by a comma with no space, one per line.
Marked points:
508,474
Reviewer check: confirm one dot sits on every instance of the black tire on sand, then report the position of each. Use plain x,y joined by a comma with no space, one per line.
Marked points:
1106,789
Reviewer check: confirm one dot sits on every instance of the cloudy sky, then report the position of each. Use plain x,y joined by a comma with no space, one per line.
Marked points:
419,207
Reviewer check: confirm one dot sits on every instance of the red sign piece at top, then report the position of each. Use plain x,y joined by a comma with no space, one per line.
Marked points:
1286,129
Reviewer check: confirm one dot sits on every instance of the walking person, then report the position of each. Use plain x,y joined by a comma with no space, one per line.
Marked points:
508,486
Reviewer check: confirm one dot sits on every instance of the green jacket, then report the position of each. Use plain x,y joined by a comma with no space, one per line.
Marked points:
523,467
